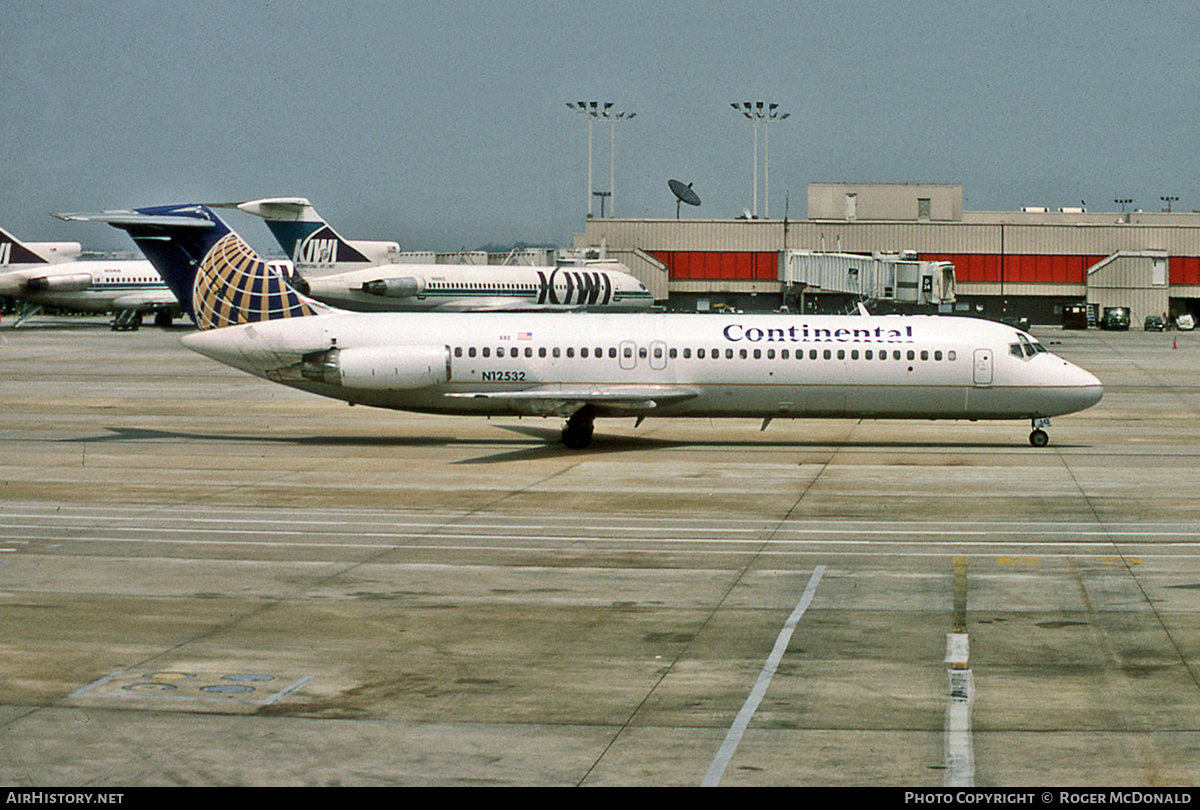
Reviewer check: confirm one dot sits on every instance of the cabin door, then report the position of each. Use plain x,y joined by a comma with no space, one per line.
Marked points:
628,356
658,355
983,368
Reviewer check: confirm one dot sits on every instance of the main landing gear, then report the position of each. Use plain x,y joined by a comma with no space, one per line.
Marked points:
1039,437
577,433
126,320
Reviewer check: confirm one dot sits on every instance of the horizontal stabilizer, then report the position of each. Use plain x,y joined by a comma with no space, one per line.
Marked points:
120,219
289,209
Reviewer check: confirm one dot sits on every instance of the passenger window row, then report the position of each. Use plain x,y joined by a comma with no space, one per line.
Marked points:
937,355
825,354
542,351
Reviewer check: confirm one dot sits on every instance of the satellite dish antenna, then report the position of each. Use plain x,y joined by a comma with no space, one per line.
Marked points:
683,194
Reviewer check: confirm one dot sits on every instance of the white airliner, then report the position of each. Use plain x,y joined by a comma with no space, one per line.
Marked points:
366,275
49,274
588,365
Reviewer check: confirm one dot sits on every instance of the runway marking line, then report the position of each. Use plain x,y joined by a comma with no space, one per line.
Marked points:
734,736
960,751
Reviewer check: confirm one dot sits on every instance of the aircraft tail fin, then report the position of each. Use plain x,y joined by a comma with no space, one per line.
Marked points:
309,241
14,251
218,279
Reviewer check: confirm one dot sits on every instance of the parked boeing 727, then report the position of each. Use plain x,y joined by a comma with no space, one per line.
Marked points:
368,276
582,366
50,274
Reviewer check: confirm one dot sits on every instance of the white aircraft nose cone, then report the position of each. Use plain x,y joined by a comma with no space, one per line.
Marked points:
1082,389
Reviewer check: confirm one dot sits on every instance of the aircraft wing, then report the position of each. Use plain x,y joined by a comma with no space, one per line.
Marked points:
151,300
608,400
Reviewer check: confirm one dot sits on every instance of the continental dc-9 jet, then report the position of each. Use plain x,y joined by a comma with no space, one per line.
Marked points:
583,366
367,276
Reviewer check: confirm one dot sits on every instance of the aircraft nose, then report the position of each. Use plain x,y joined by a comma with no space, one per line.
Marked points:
1085,389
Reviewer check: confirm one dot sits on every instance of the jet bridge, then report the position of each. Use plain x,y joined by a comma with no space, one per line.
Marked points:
899,277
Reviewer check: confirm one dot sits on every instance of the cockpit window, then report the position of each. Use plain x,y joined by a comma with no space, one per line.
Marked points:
1024,347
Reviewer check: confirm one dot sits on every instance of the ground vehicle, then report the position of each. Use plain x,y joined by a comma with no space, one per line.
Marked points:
1115,318
1155,323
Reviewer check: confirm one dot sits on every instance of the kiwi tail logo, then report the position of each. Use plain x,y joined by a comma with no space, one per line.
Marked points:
324,246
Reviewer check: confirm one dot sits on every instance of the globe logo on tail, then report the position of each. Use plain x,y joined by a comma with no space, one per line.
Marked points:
233,286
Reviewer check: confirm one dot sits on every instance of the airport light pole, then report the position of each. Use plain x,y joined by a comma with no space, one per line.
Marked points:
773,115
1168,201
766,112
746,108
613,120
593,110
1123,201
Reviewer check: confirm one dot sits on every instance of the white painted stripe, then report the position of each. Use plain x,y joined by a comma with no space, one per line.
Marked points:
960,752
957,648
218,514
281,539
242,528
742,721
530,532
12,520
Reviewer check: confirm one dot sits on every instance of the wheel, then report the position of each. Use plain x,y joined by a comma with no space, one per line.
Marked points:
127,321
577,433
578,437
1039,438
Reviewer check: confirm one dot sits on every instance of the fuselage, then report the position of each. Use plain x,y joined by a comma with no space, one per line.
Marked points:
764,366
454,288
85,286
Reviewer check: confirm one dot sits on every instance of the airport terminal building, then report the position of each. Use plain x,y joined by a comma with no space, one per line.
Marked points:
1034,263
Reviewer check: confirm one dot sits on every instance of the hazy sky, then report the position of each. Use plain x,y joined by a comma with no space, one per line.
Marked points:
444,125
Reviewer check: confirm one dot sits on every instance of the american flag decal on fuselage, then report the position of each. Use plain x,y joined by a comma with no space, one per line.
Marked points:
234,286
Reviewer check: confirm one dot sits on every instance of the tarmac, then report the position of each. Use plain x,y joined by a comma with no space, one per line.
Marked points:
209,579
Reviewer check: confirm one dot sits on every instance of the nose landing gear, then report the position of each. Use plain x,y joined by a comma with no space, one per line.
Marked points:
1039,437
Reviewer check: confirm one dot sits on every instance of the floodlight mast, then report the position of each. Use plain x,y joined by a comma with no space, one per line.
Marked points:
766,112
767,157
596,111
613,120
591,109
746,108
